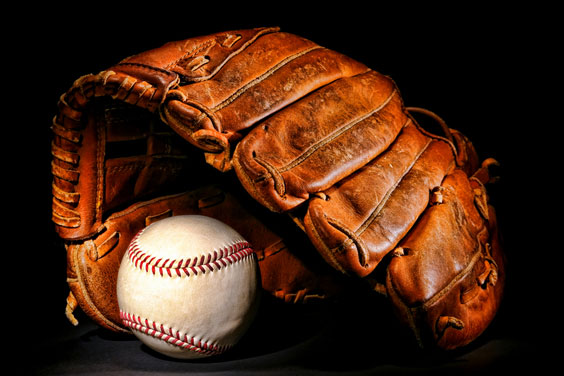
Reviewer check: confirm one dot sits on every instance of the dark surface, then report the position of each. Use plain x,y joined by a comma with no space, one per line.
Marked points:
481,69
354,338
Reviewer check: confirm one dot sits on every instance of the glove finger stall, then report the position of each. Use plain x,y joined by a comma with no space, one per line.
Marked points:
446,278
362,218
319,140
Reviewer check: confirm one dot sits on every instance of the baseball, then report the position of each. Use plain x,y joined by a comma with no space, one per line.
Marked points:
188,286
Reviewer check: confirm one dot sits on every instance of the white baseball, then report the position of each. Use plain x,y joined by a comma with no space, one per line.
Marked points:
188,286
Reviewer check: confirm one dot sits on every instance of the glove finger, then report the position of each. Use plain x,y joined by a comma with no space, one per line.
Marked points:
355,223
252,79
310,146
446,277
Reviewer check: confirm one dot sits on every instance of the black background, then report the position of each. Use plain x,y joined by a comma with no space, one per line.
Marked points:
483,69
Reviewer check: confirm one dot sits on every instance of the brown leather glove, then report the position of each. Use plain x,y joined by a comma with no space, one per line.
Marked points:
118,168
311,133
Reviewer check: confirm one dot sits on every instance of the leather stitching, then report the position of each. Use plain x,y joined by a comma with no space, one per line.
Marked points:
324,250
279,184
254,82
477,256
196,49
100,156
262,77
211,43
363,254
331,137
388,194
67,125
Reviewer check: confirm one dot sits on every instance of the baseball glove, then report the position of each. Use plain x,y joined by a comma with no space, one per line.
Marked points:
289,127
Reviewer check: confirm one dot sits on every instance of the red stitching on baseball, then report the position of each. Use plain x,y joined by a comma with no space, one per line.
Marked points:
212,261
163,333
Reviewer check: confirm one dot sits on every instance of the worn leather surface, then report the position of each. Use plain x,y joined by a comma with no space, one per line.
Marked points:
447,275
310,133
396,188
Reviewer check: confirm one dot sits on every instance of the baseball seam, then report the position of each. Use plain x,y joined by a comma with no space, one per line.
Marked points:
215,260
170,335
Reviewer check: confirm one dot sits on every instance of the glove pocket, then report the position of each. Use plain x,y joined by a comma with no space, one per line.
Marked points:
446,277
93,264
